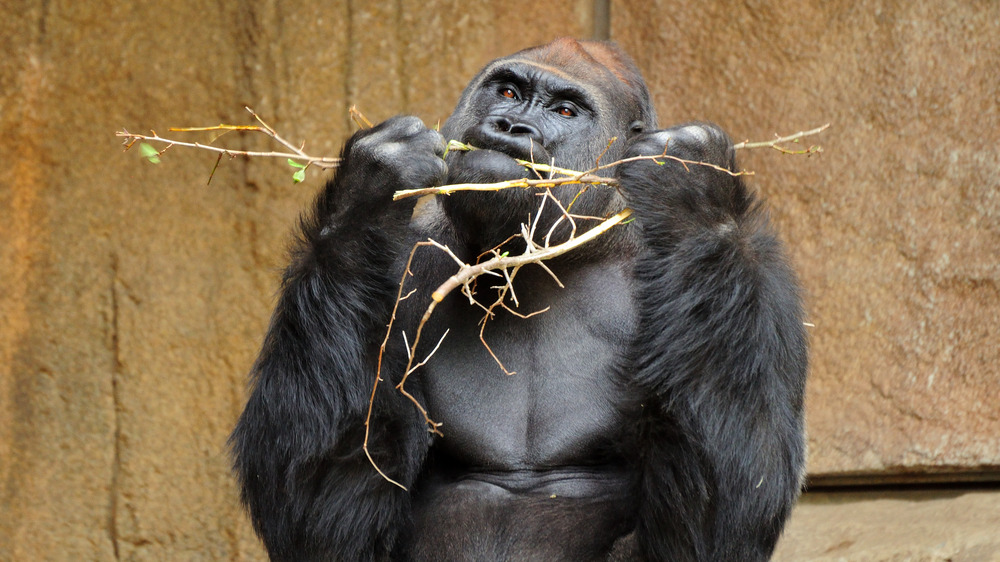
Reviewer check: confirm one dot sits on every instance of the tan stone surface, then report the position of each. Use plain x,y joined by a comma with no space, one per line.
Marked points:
915,526
895,228
134,296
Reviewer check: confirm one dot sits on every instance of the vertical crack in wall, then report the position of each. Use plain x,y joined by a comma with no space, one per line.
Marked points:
349,89
402,46
247,30
116,372
602,20
257,37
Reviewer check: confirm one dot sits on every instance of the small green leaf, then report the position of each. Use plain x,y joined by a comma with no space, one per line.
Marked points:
295,164
299,176
149,153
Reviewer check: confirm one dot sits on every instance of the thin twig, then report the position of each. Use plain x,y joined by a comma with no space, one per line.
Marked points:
297,153
131,138
359,118
274,135
572,177
774,143
539,255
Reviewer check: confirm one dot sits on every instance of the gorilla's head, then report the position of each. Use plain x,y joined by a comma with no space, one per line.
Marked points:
559,103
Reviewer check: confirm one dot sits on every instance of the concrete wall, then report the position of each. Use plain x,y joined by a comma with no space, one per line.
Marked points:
895,229
134,296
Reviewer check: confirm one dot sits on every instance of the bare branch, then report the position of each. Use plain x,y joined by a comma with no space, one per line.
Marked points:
131,138
571,177
378,368
790,138
469,272
297,152
274,135
359,118
589,177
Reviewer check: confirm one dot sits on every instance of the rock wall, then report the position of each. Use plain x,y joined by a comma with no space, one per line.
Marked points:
926,525
895,228
135,296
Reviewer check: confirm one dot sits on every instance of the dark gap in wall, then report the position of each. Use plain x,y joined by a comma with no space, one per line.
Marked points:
956,479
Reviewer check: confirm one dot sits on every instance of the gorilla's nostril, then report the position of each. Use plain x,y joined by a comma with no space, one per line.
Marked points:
511,134
520,129
503,124
506,125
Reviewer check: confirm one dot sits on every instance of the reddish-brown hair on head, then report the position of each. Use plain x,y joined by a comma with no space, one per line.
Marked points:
585,59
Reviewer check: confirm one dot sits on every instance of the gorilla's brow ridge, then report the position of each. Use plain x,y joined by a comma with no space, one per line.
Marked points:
507,63
565,91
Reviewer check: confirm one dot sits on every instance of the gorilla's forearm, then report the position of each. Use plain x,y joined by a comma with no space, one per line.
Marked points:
310,489
721,358
297,447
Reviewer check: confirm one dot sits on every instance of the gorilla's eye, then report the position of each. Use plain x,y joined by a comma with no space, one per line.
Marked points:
508,93
566,111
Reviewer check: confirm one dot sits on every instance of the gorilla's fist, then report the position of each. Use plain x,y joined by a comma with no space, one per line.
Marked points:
699,142
401,153
679,198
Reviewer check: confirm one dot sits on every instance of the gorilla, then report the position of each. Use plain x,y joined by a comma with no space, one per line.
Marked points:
654,410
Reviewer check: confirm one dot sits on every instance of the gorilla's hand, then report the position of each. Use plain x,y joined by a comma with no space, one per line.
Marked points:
699,142
401,153
673,199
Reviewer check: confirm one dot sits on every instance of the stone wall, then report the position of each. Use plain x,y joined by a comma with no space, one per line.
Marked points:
135,296
895,229
920,525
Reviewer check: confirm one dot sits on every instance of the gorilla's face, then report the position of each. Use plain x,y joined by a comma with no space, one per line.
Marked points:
560,104
523,111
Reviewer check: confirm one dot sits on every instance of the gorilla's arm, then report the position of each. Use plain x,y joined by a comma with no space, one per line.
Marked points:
720,358
311,492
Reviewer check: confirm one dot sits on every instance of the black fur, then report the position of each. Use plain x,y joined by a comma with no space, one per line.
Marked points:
720,358
656,412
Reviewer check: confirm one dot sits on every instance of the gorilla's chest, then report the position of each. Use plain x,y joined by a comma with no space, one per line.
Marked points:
561,402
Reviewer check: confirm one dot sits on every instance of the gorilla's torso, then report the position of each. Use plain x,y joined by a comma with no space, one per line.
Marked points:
562,396
546,435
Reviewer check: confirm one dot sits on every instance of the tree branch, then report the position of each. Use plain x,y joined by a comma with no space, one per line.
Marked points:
790,138
297,152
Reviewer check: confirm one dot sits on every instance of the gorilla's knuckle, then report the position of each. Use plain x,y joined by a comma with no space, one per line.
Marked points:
372,150
429,171
395,129
401,145
700,142
705,136
405,125
694,133
431,140
654,143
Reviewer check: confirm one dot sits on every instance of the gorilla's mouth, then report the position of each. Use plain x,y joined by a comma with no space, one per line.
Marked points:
514,141
492,162
483,165
527,151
